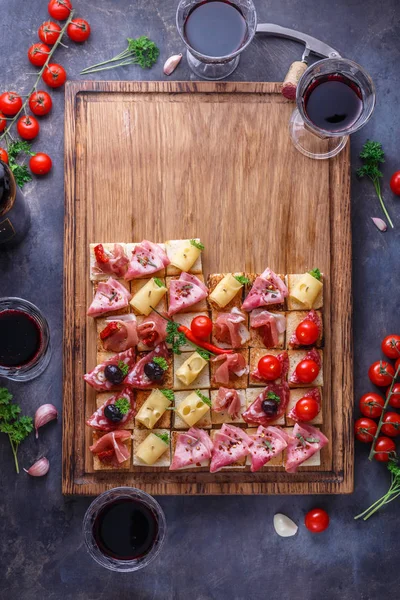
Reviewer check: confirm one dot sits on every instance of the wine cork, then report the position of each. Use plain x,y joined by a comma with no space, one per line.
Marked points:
291,80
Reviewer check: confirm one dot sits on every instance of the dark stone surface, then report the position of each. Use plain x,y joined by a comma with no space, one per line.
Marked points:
217,547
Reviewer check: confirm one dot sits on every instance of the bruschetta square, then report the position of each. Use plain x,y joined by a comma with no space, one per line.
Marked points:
275,462
238,465
179,423
242,329
164,422
101,324
168,373
121,311
201,306
186,319
252,277
99,465
235,382
103,397
294,396
92,260
313,461
139,436
295,357
293,319
202,380
256,333
172,247
251,395
204,466
219,418
213,280
138,284
294,304
129,248
255,355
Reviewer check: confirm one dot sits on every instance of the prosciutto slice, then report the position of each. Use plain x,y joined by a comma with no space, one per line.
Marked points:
231,364
99,421
312,393
230,444
268,442
96,377
255,413
311,316
114,442
227,400
193,448
110,295
267,289
311,355
184,292
283,359
122,334
152,330
271,325
116,264
304,443
147,258
229,328
137,378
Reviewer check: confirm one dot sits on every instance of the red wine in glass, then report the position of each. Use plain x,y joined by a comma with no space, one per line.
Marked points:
215,28
20,338
333,102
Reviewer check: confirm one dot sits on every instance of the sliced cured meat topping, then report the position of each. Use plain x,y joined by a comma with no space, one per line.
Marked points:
312,393
124,361
137,377
123,402
230,444
110,295
271,325
113,262
311,355
268,442
231,364
256,412
304,443
229,328
192,449
111,448
120,334
227,400
147,258
312,316
268,288
283,359
152,330
184,292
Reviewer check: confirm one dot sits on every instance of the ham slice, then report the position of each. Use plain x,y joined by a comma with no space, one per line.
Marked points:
231,364
147,258
255,413
123,336
271,325
268,442
192,449
116,264
267,289
96,377
227,400
184,292
110,295
152,330
304,443
311,355
137,378
311,316
312,393
229,328
230,444
99,421
112,441
284,360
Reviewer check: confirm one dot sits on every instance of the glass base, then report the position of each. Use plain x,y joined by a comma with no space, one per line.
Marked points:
27,374
211,71
310,144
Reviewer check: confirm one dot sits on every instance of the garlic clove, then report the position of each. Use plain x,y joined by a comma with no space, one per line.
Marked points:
380,223
44,414
171,63
39,468
284,526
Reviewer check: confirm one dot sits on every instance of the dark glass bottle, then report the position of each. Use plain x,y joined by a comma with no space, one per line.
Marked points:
15,217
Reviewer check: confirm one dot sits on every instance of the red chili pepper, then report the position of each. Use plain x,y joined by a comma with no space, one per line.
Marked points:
109,330
201,343
100,254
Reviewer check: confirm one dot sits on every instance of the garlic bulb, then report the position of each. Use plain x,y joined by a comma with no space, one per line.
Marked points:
171,63
44,414
39,468
284,526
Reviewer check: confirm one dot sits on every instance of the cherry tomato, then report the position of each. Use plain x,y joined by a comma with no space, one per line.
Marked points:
371,405
391,424
307,370
40,103
59,9
317,520
384,448
40,164
38,53
269,367
307,409
365,430
78,30
3,155
3,122
381,373
395,183
201,327
395,397
28,127
10,103
49,32
390,345
307,332
54,75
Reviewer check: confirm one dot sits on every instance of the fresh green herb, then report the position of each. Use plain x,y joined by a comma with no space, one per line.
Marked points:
16,427
242,279
161,362
123,405
268,444
392,493
20,172
158,282
274,397
373,155
174,337
140,51
163,436
203,353
124,368
301,438
169,394
204,398
312,440
316,273
197,245
144,261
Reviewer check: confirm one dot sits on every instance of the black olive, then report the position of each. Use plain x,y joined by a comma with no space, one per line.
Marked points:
113,413
114,374
270,407
153,371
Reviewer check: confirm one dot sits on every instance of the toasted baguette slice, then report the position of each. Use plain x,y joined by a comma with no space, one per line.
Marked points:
201,382
251,395
218,418
293,304
139,436
293,319
171,246
235,382
98,465
275,462
294,396
296,356
179,423
107,246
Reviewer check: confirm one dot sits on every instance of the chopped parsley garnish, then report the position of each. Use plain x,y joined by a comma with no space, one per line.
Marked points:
302,440
197,244
174,337
161,362
204,353
163,436
316,273
274,397
158,282
124,368
242,279
268,444
203,398
312,440
123,405
169,394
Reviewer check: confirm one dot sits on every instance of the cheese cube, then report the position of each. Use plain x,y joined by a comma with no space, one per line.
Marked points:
153,409
185,255
306,290
225,290
192,409
191,368
150,450
148,297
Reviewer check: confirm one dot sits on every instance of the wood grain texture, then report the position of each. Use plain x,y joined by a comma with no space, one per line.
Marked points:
172,160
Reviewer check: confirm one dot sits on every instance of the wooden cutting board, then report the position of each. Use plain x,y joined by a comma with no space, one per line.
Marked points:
173,160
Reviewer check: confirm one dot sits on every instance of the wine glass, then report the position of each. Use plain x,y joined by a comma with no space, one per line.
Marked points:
324,118
200,61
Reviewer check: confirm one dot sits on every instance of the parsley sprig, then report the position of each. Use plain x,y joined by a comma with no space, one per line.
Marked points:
242,279
373,155
169,394
123,405
124,367
158,282
12,424
163,436
204,398
20,171
161,362
174,337
316,273
197,244
140,51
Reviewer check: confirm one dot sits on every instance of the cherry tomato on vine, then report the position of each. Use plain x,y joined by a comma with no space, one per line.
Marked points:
307,371
269,367
40,163
201,327
316,520
381,373
3,122
395,183
28,127
59,9
307,409
391,424
10,103
371,405
384,449
78,30
38,53
49,32
395,397
40,103
3,155
54,75
391,346
365,430
307,332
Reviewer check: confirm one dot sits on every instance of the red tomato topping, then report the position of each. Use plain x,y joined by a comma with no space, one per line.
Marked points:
307,332
201,327
317,520
269,367
307,371
109,329
100,254
307,409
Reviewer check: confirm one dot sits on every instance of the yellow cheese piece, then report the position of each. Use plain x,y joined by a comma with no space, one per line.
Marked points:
150,450
227,289
153,409
191,368
192,408
306,290
149,295
185,256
